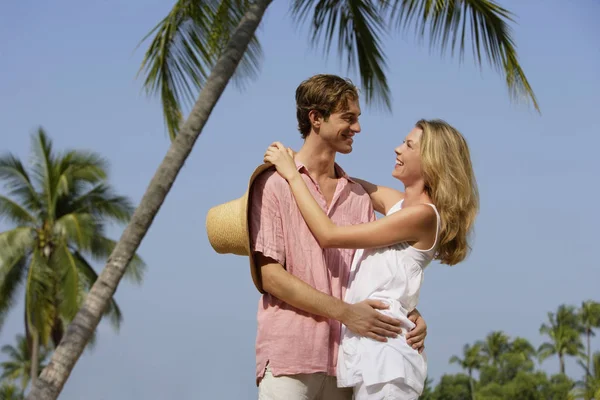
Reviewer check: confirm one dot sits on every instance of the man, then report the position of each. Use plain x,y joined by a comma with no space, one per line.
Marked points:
300,315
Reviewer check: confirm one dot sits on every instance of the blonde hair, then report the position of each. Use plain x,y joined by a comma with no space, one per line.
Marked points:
450,182
324,93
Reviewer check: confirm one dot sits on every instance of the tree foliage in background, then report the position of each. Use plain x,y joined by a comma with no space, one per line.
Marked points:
501,368
58,209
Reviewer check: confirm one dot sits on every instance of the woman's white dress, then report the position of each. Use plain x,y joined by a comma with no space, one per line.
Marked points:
393,274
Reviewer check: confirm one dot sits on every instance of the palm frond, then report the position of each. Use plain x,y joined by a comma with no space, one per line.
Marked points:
17,353
64,264
102,202
455,360
185,47
15,213
589,315
39,294
11,370
226,15
77,169
44,172
15,245
448,22
18,183
78,229
83,165
545,351
18,365
89,275
11,277
357,26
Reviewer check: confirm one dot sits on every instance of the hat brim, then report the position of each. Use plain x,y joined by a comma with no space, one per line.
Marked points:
254,269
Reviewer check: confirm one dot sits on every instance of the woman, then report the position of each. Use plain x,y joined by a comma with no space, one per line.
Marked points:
432,219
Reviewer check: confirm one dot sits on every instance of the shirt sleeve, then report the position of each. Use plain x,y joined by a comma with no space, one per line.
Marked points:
266,228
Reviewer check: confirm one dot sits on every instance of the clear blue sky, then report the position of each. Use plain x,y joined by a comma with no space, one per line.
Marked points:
70,66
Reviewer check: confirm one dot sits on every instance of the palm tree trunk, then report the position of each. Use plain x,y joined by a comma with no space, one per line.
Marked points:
589,354
78,333
471,385
561,359
35,358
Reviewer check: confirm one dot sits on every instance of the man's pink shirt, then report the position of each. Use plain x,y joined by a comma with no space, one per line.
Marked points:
290,340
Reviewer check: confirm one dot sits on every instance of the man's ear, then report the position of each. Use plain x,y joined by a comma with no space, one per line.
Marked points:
315,118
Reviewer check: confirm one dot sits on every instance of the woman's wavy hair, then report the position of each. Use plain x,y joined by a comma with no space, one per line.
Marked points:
450,182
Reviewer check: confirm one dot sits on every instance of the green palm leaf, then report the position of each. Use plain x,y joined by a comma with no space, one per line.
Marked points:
357,26
14,212
71,291
18,363
14,248
103,202
17,181
11,277
44,172
448,23
546,350
39,305
185,47
78,229
76,170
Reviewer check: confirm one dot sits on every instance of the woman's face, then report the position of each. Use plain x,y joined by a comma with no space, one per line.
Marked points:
408,159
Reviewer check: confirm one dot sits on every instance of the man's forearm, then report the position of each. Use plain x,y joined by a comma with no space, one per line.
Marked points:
299,294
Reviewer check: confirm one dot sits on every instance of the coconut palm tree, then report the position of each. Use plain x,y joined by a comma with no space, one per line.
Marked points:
200,44
563,330
472,360
589,315
58,210
18,366
523,349
589,388
495,344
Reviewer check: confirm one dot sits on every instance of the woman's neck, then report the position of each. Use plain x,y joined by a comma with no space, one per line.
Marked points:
415,194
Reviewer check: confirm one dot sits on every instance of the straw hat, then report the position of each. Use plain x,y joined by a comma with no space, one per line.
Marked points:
227,227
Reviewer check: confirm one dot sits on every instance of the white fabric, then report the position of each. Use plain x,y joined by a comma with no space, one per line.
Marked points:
394,390
394,275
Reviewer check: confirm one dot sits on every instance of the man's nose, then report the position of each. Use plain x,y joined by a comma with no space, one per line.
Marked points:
355,127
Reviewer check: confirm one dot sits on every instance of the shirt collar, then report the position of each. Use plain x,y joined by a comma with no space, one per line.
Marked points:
338,170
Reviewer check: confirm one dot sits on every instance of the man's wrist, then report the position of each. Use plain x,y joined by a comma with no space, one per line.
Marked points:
341,311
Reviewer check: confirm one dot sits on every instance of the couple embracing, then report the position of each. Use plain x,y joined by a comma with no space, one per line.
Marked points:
337,318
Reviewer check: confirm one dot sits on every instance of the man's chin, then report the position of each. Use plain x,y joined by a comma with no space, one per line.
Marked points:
345,150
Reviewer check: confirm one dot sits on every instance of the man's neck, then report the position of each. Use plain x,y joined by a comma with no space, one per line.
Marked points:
319,161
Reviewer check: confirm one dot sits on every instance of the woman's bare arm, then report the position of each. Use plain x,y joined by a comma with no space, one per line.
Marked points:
382,197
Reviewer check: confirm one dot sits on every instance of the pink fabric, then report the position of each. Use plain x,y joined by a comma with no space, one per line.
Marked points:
290,340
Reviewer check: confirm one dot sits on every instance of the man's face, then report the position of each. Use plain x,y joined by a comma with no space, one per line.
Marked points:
339,129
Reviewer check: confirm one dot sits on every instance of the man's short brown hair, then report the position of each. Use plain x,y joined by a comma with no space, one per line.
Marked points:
324,93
